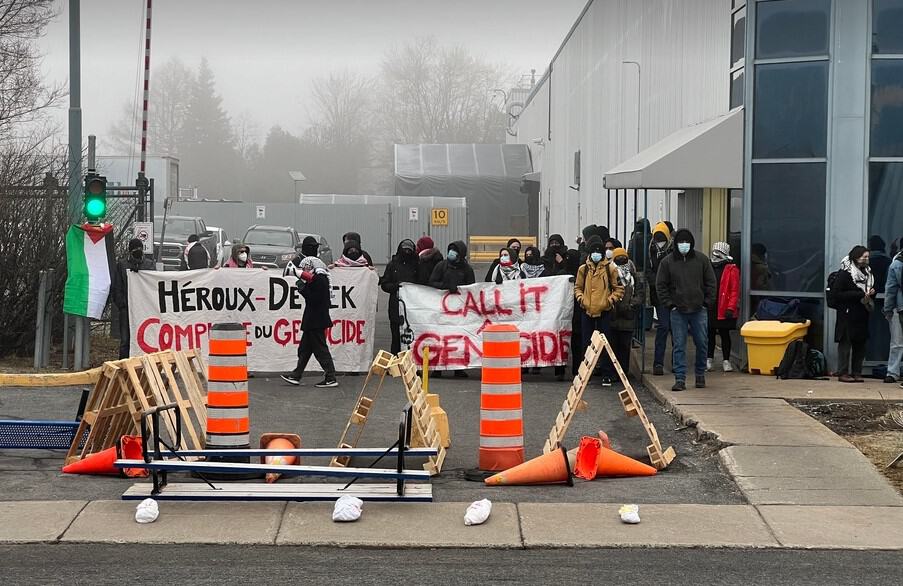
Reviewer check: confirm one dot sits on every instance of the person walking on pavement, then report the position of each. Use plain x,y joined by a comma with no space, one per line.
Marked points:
854,292
658,250
195,255
723,315
893,311
623,318
597,289
401,269
134,261
428,257
513,247
315,286
451,273
686,286
240,258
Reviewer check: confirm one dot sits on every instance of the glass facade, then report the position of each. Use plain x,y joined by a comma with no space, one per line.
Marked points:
887,107
886,202
792,28
788,226
887,27
791,110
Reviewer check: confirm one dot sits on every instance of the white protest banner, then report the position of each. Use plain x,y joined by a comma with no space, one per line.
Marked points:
175,310
451,324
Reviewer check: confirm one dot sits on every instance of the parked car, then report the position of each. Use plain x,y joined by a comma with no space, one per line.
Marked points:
276,246
223,245
178,229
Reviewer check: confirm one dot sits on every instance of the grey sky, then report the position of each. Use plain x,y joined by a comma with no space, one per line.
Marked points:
265,52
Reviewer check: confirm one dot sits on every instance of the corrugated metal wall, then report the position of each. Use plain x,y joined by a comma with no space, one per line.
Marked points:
382,221
683,49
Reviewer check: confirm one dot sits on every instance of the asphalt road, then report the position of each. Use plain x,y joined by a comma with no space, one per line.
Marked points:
319,416
216,565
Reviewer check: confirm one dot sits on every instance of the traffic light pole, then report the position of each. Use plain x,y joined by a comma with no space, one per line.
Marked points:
75,112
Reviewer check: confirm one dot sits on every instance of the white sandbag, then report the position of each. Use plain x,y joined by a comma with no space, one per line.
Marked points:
347,509
478,512
147,511
630,514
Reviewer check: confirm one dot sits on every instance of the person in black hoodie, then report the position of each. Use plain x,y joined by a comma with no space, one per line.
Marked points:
313,281
451,273
195,256
638,246
555,257
401,269
133,261
355,237
513,246
428,256
686,286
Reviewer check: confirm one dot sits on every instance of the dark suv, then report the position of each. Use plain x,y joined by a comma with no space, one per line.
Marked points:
275,246
178,229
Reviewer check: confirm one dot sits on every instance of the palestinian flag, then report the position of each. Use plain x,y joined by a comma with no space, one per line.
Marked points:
90,265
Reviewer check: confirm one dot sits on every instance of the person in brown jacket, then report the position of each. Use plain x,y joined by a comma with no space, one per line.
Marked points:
597,290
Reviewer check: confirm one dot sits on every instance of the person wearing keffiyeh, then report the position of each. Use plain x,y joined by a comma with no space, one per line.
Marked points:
352,256
854,292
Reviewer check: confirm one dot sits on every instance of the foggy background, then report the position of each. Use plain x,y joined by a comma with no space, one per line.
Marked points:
288,81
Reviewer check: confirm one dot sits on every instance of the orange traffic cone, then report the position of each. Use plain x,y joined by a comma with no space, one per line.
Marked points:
551,468
587,465
130,448
279,441
99,463
612,463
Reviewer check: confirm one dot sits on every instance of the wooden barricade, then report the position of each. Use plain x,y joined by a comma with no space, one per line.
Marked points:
632,407
128,387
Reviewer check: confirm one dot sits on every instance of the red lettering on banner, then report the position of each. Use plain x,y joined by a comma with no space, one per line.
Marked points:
478,303
200,332
498,304
445,308
283,332
537,291
349,332
142,335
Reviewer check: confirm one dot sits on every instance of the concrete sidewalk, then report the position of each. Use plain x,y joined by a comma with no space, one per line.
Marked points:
441,525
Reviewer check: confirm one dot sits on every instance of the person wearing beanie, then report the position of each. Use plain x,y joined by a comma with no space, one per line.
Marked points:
686,286
723,316
597,289
555,256
623,318
658,250
133,261
401,269
428,257
451,273
353,256
355,237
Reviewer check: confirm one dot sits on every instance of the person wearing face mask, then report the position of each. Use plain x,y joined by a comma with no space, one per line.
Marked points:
723,315
451,273
133,261
428,257
533,266
507,269
555,257
597,290
240,257
513,247
686,286
623,318
355,237
658,250
352,256
401,269
854,290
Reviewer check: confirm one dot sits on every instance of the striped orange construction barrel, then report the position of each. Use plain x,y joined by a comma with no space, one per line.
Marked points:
501,407
228,423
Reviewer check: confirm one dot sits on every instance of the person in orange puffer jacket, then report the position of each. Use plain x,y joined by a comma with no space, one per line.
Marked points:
723,317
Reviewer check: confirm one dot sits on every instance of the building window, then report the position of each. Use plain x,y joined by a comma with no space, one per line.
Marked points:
738,87
788,227
738,38
791,108
792,28
886,203
887,108
887,27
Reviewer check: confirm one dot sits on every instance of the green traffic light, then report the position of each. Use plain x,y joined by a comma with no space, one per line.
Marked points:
95,208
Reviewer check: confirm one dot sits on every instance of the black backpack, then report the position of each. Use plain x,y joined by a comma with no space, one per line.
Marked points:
794,362
830,294
816,364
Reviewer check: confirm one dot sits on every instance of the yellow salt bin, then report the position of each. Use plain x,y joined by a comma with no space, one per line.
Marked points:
767,341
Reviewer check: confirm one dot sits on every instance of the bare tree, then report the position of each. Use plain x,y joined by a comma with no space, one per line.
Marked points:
171,85
342,110
23,96
434,94
247,135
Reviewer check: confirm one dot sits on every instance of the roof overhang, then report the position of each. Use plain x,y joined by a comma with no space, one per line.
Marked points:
534,176
709,154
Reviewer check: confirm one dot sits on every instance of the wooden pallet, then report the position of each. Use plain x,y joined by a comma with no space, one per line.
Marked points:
379,368
426,428
632,407
128,387
574,399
